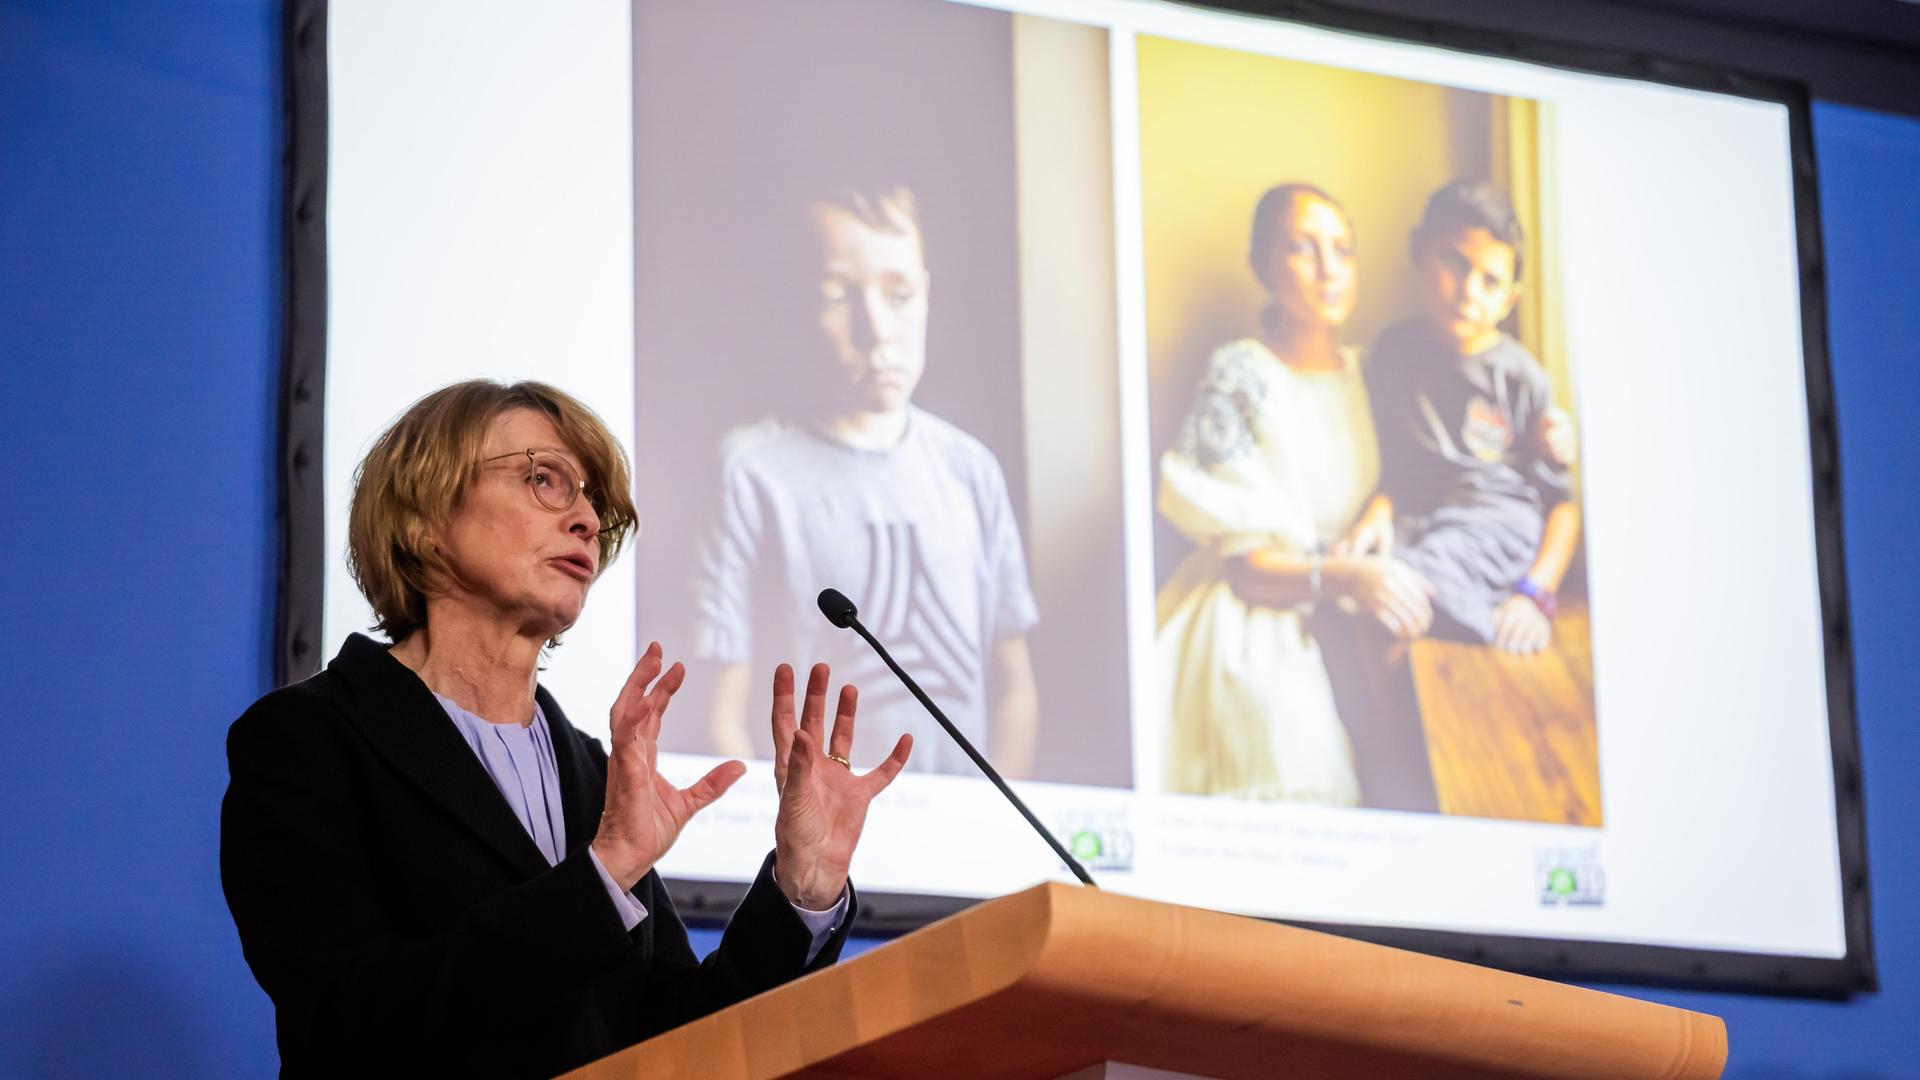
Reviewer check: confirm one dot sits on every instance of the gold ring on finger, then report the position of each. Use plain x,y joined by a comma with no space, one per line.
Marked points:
841,760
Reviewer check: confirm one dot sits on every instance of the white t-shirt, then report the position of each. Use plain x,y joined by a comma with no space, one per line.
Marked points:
921,537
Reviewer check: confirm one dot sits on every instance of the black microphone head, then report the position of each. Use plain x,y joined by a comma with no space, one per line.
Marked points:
837,608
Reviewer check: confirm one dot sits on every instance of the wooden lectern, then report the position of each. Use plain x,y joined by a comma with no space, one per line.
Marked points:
1057,980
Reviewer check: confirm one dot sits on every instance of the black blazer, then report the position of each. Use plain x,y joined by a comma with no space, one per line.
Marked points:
402,920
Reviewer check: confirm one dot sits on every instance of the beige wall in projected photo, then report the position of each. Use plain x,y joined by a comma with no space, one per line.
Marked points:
1069,376
1453,728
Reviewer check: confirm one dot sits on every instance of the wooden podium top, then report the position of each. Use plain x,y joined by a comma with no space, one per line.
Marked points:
1058,977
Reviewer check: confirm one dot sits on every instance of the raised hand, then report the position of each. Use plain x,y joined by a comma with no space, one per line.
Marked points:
823,804
645,813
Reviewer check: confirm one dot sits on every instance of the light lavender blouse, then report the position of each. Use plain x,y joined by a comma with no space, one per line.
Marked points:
519,761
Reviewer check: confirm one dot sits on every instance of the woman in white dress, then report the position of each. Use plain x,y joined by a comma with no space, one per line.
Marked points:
1272,477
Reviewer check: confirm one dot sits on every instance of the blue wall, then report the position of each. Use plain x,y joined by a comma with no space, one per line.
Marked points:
138,320
138,367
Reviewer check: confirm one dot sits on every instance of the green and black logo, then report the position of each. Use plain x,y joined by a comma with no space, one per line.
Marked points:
1570,877
1101,841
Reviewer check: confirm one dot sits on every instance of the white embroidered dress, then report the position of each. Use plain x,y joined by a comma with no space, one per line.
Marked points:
1269,457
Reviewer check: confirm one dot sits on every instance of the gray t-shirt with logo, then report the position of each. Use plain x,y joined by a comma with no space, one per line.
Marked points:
1460,458
921,537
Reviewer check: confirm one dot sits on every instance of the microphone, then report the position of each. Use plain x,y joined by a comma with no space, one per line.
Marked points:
837,608
840,612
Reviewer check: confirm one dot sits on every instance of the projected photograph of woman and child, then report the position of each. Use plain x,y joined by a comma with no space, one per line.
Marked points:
1370,585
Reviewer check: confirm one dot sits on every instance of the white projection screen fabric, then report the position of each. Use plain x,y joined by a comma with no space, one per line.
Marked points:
1190,400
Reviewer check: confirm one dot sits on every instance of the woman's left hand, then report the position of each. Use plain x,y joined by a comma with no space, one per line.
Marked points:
823,804
1372,531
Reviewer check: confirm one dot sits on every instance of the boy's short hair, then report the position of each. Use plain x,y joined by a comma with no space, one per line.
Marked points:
884,209
1269,211
1474,204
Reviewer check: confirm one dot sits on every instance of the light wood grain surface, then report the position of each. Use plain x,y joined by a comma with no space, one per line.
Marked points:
1513,736
1056,978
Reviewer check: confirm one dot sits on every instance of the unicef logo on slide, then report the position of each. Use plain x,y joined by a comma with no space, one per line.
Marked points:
1099,841
1570,877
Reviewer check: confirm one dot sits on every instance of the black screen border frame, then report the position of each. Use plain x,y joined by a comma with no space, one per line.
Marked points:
300,507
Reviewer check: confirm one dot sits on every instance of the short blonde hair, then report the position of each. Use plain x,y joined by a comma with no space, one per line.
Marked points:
418,470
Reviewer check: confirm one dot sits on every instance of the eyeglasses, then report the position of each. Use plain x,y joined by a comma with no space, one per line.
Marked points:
554,483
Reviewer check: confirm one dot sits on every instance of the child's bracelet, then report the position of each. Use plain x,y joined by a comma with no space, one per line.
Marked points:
1542,597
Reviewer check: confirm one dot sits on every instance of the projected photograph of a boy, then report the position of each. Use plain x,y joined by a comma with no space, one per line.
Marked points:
1371,591
836,322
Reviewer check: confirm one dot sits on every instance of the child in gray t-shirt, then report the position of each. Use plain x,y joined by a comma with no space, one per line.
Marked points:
1481,502
905,513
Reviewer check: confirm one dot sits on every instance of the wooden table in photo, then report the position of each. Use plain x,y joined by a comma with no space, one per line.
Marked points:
1513,736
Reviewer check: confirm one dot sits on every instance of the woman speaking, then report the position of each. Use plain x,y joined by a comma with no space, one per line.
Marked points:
430,868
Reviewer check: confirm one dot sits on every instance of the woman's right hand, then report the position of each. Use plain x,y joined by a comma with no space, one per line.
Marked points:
644,812
1390,591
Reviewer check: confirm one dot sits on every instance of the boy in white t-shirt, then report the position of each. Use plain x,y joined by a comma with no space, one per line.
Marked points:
905,513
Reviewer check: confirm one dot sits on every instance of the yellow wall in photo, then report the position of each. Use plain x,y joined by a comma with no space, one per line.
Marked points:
1219,126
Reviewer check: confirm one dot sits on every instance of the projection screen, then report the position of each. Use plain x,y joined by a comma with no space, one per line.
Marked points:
1342,480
